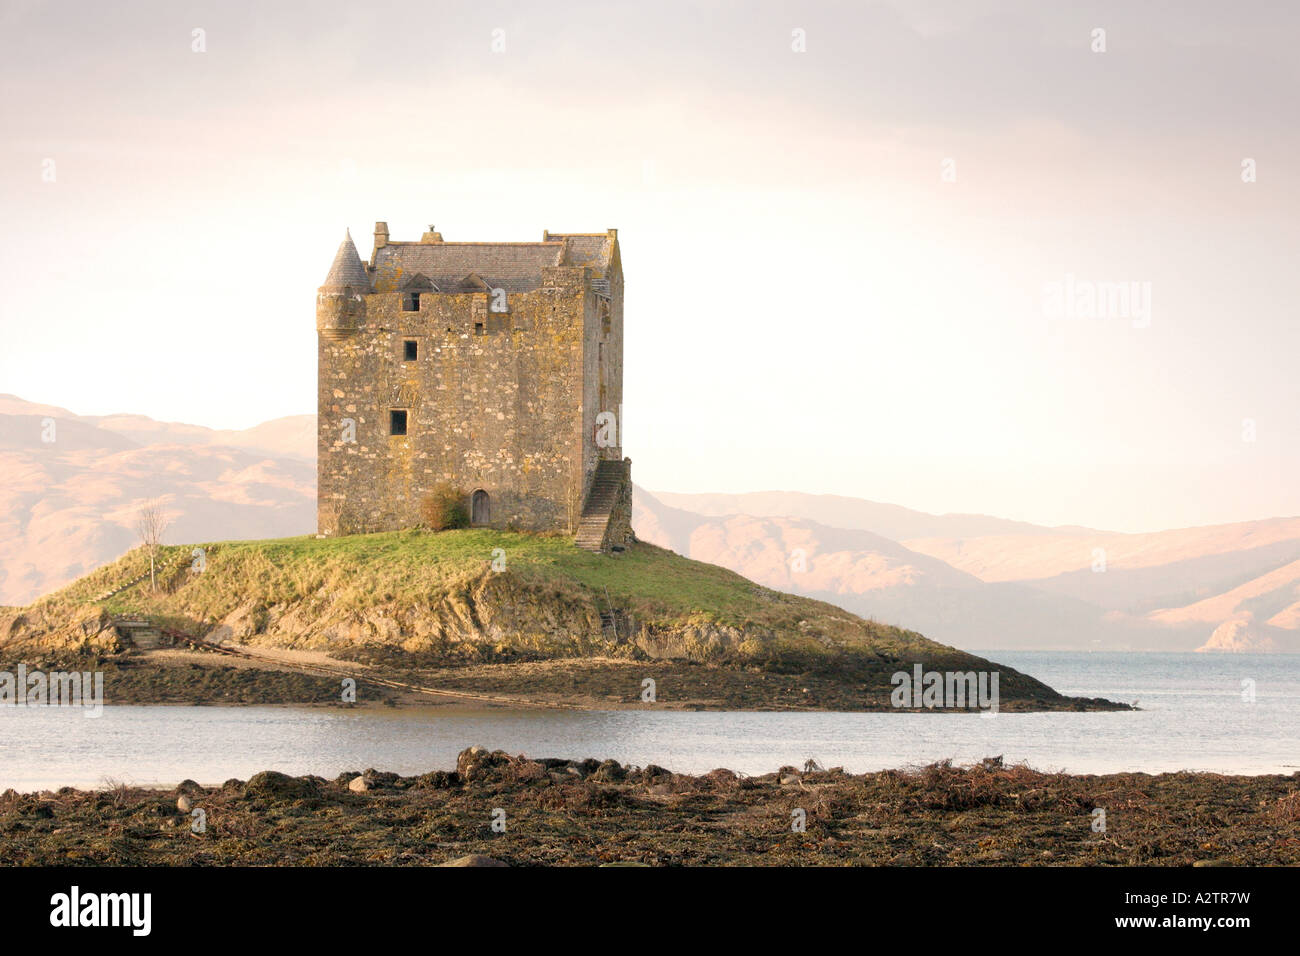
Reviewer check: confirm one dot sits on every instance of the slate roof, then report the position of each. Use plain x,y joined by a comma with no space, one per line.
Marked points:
513,266
347,269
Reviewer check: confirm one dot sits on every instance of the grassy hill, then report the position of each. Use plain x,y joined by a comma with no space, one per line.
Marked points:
416,599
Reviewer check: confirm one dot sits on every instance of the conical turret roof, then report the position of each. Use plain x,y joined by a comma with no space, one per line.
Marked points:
347,269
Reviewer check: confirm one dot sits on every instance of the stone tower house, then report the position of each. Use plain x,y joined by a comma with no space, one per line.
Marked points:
492,367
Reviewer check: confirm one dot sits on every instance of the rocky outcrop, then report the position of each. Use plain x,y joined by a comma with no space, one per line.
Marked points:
273,785
487,613
1244,635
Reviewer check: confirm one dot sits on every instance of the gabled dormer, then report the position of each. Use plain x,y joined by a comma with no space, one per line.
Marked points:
413,288
473,283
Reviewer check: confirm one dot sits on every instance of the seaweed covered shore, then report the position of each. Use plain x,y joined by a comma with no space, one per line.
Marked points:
518,811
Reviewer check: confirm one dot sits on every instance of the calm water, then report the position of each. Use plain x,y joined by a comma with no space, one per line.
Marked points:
1193,717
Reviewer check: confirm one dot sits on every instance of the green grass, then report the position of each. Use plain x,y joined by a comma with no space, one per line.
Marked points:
434,599
419,569
364,571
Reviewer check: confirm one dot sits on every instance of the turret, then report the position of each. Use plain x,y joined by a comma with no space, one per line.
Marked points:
340,302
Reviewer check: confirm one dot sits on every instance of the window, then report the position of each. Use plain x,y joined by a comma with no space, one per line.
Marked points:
410,350
411,302
397,421
478,328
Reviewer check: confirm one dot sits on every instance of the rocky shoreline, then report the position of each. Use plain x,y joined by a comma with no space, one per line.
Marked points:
596,683
497,808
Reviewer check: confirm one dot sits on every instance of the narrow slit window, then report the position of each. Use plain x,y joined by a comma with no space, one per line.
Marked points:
397,421
478,328
410,351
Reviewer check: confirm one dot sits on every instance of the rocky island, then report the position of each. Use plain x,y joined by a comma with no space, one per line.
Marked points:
495,616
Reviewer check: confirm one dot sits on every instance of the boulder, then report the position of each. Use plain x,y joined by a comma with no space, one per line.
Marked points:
437,780
722,777
273,785
478,763
381,778
611,771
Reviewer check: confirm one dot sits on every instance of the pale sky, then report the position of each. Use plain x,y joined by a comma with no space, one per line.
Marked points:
809,305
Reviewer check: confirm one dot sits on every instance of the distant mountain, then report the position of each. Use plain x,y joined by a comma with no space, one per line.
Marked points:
293,436
777,549
873,576
1068,587
71,487
890,521
977,582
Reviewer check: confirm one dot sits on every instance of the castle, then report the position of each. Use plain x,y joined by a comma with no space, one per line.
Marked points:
492,368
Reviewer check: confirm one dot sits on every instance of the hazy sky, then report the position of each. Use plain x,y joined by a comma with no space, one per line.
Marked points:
810,304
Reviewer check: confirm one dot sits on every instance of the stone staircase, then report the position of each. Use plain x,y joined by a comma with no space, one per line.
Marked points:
601,499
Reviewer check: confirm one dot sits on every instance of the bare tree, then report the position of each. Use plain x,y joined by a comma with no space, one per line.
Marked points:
150,525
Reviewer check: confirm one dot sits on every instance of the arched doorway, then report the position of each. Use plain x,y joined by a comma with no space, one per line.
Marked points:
480,508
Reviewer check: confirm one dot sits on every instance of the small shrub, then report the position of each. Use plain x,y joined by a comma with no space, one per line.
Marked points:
1287,809
444,508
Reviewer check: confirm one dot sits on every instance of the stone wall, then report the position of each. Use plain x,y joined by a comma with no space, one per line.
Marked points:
603,373
493,402
502,402
618,534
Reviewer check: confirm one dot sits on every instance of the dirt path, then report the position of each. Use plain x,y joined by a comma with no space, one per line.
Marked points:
320,663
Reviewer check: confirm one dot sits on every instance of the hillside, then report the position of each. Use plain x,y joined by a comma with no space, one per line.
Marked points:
422,600
890,521
872,575
984,582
